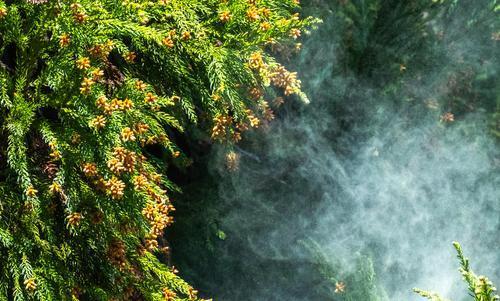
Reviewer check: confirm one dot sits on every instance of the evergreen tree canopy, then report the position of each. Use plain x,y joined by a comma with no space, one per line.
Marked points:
92,95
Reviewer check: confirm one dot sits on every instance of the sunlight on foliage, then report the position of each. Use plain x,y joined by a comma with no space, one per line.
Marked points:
92,96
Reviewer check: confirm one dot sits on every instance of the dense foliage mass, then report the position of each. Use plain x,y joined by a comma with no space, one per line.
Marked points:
92,97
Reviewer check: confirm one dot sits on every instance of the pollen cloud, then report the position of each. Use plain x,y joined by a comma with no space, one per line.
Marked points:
362,172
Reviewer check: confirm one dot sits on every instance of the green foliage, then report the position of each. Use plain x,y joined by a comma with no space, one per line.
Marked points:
419,56
480,287
429,295
345,284
92,97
